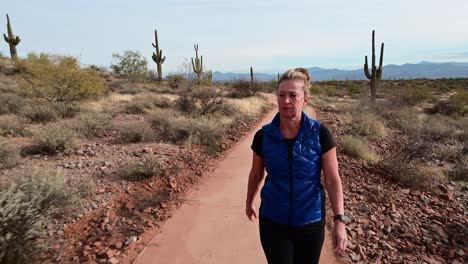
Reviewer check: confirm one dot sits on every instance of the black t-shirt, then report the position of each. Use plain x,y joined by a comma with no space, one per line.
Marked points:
326,140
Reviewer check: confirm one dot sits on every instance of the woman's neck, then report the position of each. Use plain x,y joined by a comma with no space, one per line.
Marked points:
289,128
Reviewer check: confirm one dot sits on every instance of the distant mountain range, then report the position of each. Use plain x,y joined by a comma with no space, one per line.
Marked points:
423,69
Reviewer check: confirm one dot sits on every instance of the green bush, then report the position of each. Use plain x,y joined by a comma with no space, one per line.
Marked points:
138,170
353,88
358,148
26,208
416,94
11,125
59,79
9,155
52,140
135,132
201,100
130,65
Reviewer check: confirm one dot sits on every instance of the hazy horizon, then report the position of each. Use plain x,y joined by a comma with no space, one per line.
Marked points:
233,35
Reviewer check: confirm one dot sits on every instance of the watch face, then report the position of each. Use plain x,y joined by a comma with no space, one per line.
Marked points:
342,218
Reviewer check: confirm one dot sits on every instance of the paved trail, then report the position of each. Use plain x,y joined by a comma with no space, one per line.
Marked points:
211,227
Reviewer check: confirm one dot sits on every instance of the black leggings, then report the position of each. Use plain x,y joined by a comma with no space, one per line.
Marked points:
283,244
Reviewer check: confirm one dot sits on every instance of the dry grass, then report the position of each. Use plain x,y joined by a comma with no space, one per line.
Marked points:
9,155
363,122
11,125
359,148
138,170
250,106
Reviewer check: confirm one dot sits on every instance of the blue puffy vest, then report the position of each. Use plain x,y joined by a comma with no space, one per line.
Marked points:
292,193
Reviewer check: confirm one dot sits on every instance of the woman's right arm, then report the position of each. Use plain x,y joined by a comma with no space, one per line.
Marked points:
256,175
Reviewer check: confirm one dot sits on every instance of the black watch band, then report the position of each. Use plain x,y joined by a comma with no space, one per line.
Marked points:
340,217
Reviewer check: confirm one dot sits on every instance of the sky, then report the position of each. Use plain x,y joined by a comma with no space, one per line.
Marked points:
233,35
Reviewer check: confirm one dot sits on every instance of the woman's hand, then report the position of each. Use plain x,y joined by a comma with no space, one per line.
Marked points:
340,241
251,212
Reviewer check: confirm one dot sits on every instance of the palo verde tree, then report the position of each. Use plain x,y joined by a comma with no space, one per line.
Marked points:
376,73
198,64
130,65
157,56
12,40
59,79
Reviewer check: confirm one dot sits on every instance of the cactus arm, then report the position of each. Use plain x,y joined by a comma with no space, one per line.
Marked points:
380,70
366,69
6,38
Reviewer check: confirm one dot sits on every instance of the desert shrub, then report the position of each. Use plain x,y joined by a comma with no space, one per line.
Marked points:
199,100
243,88
175,81
130,65
206,132
408,120
25,209
413,95
456,104
403,163
11,125
330,91
460,171
138,170
150,100
135,132
316,89
178,128
52,140
66,110
59,79
420,177
39,112
11,103
9,155
353,88
137,107
438,127
129,90
363,122
170,125
358,148
92,125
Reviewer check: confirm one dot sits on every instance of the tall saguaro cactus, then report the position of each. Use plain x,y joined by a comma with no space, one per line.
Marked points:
157,56
198,64
12,40
251,77
376,73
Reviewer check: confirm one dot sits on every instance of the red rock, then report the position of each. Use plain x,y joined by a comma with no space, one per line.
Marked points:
101,190
447,196
118,245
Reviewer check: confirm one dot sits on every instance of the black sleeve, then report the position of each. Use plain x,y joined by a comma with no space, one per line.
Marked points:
257,144
326,139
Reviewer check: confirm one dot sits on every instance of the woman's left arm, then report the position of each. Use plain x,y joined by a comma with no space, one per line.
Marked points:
335,193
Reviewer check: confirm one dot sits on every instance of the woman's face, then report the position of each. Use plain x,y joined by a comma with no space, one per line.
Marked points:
291,98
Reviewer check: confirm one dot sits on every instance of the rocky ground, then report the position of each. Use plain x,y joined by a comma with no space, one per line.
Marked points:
394,224
120,217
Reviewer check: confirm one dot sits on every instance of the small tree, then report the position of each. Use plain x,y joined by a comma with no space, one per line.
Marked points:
58,78
130,65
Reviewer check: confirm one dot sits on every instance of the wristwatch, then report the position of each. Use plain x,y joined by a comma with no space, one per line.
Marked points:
341,217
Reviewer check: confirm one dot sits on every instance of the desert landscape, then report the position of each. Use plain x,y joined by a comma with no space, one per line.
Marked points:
94,160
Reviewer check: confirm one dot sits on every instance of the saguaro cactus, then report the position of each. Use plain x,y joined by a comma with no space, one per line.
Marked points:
251,77
198,64
376,73
157,56
12,40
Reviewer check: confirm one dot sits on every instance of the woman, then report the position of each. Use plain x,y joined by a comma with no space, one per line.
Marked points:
294,149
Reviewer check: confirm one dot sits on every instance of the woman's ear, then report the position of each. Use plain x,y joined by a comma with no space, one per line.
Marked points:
306,99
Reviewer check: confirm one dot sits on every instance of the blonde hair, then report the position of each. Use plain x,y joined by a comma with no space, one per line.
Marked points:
297,74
